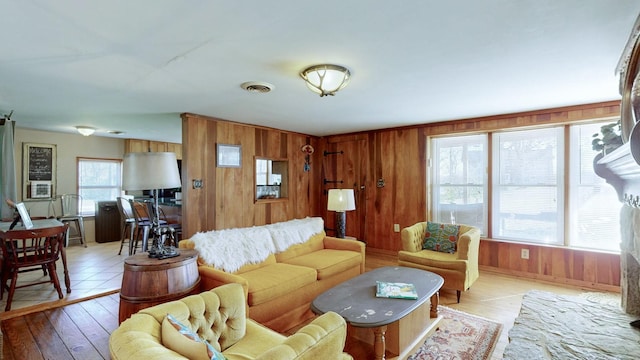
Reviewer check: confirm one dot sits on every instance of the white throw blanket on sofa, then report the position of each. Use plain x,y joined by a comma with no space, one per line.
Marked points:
230,249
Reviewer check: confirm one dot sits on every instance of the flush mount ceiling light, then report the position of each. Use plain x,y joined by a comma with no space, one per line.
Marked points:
85,130
326,79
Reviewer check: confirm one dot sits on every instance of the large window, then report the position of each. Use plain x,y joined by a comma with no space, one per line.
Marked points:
459,190
595,221
527,185
98,180
542,190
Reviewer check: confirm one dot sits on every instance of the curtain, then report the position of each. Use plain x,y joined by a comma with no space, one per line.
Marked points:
8,189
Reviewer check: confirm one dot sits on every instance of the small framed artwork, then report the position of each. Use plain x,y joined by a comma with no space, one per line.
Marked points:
228,155
40,189
24,215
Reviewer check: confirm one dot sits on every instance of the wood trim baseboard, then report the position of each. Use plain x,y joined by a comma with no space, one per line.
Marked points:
50,305
383,252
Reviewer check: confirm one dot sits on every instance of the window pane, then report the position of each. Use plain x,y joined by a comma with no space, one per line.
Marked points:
98,180
459,189
528,213
527,185
595,216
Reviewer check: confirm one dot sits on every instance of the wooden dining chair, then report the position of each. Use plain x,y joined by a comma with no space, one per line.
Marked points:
29,250
144,222
174,230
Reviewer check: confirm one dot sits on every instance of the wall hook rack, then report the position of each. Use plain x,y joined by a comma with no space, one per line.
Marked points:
333,152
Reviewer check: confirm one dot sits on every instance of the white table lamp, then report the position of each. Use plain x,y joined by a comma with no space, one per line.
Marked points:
340,201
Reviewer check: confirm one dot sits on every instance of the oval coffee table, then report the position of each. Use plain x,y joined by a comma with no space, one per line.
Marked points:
398,324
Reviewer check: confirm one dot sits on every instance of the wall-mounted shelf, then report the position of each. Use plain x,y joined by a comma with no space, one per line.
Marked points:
621,170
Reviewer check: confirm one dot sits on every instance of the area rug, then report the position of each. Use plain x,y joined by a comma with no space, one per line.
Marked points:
460,336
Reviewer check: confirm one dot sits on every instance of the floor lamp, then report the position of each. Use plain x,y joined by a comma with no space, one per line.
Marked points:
341,201
153,171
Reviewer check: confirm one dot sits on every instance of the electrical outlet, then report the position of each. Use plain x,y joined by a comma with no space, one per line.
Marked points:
396,227
524,253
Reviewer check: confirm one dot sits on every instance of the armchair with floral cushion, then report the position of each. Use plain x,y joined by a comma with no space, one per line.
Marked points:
450,251
214,325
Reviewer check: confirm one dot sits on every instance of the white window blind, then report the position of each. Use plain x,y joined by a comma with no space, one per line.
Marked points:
527,185
460,180
98,180
595,219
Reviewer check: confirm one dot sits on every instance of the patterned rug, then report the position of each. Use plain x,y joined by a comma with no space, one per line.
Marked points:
460,336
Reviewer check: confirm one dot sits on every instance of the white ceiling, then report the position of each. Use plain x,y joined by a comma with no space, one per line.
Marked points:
134,66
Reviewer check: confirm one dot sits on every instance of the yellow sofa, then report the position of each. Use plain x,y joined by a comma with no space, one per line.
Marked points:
280,289
459,269
219,317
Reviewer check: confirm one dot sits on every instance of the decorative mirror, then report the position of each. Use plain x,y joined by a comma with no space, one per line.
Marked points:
272,179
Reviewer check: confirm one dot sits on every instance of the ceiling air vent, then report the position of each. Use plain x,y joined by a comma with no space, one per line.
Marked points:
257,86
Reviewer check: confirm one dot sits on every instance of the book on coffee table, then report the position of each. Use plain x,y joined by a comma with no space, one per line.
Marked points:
396,290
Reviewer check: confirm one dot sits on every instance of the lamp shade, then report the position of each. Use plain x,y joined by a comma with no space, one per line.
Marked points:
341,200
326,79
150,170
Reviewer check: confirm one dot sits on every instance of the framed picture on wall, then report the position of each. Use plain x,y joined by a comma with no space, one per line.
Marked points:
38,171
228,155
40,189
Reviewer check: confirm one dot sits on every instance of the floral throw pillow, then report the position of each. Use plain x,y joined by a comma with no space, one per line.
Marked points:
441,237
179,338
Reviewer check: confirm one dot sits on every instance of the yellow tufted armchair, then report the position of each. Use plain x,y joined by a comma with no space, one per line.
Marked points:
219,316
459,269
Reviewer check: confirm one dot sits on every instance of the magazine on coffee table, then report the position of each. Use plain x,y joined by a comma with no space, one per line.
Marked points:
396,290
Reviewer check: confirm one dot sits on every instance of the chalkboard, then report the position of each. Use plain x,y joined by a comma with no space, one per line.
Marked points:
38,171
40,163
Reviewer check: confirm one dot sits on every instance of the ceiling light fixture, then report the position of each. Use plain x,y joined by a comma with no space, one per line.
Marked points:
326,79
85,130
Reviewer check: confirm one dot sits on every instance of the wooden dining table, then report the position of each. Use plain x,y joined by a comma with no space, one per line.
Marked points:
41,224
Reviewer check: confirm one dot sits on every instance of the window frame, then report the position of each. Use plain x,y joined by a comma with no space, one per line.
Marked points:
566,154
79,187
435,201
559,183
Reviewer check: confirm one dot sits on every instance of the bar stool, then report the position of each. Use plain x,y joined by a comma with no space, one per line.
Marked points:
127,224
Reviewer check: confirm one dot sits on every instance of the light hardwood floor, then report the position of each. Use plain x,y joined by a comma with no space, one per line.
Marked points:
93,270
98,268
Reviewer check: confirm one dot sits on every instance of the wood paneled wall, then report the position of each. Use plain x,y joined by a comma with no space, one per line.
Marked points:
399,157
395,157
394,176
569,266
226,199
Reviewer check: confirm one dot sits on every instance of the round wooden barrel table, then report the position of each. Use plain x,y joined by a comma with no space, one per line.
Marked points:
147,281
